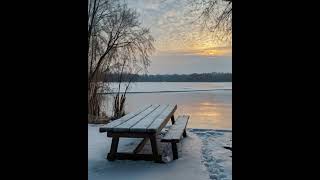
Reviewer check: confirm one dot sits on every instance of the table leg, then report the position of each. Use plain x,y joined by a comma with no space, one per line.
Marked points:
174,150
172,119
154,146
184,133
113,150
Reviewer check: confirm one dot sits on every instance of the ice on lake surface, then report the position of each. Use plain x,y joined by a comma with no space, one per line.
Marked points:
211,107
171,86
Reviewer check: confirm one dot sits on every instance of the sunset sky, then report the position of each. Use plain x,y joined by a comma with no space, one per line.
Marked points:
181,46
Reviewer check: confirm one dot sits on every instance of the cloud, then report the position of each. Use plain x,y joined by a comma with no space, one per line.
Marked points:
209,52
178,34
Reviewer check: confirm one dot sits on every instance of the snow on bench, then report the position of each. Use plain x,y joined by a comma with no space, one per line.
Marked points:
175,133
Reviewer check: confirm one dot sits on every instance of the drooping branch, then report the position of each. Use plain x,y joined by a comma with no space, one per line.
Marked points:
113,31
216,16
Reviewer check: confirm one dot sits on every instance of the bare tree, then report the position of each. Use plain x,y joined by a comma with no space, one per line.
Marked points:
126,75
216,16
113,31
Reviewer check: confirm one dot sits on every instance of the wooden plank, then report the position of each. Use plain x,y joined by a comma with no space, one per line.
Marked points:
142,125
129,134
140,145
124,127
176,131
162,120
123,119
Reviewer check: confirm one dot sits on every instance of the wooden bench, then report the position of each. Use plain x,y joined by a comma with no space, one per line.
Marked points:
175,133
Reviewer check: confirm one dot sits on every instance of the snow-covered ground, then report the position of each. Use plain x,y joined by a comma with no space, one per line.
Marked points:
202,156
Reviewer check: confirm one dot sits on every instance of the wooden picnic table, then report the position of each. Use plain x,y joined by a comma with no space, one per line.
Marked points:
145,123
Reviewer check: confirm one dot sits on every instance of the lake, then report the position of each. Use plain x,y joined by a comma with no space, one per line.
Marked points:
208,104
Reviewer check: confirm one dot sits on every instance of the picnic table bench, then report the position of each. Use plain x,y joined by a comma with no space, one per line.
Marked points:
146,123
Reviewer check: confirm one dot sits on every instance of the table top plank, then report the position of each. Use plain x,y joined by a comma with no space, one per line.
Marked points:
142,125
125,127
162,120
113,124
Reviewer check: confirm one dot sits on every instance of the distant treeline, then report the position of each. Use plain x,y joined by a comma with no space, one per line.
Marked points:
203,77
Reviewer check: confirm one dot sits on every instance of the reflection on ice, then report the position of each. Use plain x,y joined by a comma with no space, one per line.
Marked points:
207,109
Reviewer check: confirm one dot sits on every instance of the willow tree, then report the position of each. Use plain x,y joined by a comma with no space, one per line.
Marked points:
115,36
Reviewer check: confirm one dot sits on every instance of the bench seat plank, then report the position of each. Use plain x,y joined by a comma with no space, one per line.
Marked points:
176,131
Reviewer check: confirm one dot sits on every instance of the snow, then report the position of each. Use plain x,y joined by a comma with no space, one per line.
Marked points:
216,158
202,156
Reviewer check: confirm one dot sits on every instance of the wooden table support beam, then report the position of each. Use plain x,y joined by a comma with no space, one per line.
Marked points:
140,145
131,156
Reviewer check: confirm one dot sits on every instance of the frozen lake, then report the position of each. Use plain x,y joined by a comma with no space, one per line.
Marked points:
208,104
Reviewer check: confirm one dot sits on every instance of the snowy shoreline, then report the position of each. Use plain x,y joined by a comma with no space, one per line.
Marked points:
202,155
